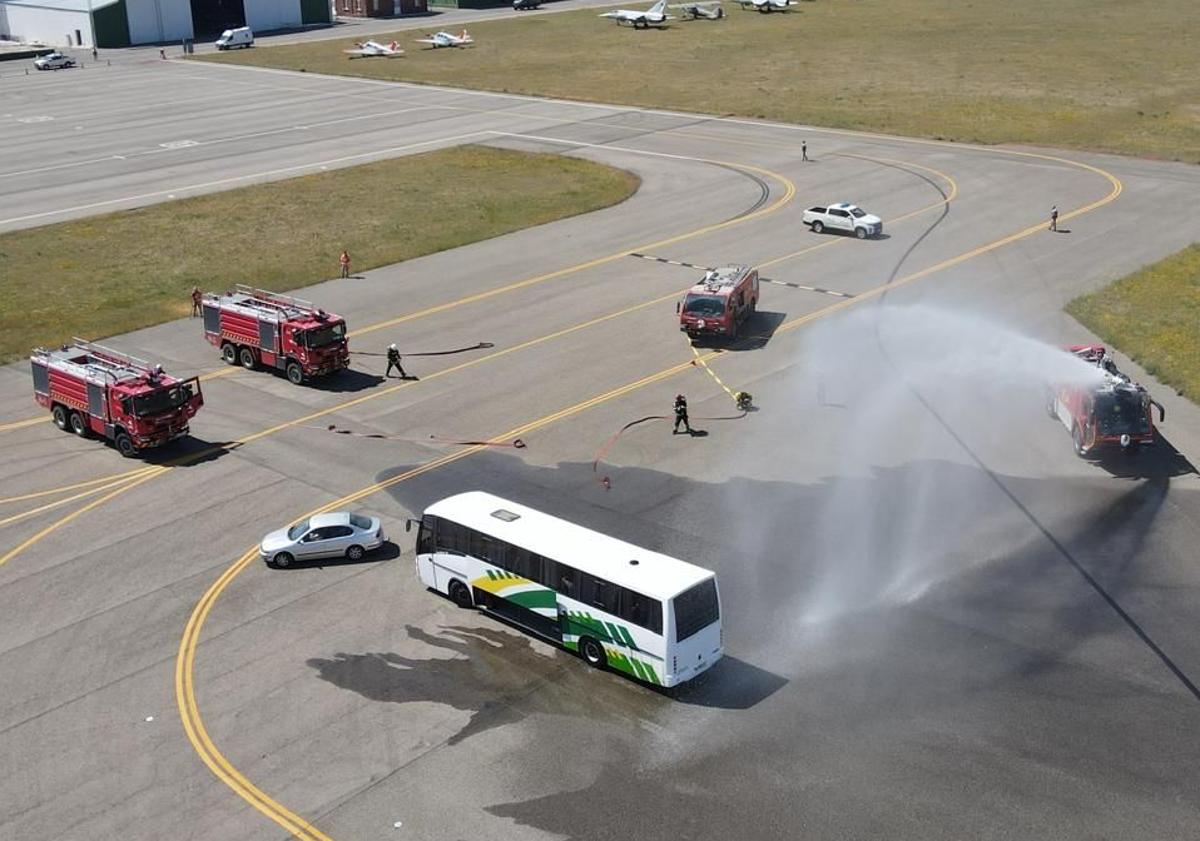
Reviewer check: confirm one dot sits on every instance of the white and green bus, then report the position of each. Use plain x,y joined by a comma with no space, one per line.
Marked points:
648,615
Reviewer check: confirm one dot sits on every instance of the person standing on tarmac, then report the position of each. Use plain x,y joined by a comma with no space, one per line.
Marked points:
393,357
344,262
197,297
1054,218
681,415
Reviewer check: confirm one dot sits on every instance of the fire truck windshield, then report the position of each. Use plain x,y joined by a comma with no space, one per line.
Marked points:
1121,413
322,336
163,400
704,305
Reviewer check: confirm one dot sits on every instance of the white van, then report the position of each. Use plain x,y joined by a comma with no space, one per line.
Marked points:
240,37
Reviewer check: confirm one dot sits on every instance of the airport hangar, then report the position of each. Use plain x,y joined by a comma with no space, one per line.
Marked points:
123,23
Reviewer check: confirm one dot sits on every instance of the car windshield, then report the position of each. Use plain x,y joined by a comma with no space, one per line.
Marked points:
328,335
857,212
704,305
162,400
295,531
359,521
1121,413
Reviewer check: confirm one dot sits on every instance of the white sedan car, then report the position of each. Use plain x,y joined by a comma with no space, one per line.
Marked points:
53,61
336,535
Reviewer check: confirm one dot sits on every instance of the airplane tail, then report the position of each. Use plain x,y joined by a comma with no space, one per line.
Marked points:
465,36
659,8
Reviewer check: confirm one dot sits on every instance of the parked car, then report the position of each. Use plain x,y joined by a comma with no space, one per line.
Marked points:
53,61
335,535
845,217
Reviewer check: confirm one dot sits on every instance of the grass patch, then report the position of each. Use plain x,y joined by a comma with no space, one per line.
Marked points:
1109,75
1153,316
110,274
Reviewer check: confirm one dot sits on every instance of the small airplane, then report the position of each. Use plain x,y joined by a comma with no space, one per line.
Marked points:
445,39
711,9
654,16
372,49
767,6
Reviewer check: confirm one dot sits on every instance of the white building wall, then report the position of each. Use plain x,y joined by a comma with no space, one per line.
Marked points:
158,20
264,15
54,27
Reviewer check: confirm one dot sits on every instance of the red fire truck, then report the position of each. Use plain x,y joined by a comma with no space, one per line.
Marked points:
256,327
720,302
1115,413
91,389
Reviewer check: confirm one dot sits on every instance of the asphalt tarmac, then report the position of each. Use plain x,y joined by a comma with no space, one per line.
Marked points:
939,622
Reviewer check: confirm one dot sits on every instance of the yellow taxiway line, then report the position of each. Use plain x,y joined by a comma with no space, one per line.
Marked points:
185,661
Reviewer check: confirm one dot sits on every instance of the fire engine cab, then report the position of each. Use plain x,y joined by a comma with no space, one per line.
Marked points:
91,389
1115,413
256,327
720,302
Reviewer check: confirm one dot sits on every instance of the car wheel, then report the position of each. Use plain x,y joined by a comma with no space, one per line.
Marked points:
818,227
78,425
355,553
124,445
592,652
1077,438
60,417
295,373
283,560
861,233
460,595
229,354
246,356
1050,407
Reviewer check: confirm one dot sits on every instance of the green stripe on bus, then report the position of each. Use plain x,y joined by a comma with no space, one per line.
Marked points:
534,599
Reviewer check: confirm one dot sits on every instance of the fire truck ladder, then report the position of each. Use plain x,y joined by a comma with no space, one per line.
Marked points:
112,363
285,303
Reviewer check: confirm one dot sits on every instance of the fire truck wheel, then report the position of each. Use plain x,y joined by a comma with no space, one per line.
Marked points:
818,227
79,425
355,553
246,356
1050,408
592,652
229,354
460,595
124,445
295,373
60,417
282,561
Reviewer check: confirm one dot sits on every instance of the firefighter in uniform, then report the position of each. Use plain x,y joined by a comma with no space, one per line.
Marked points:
197,297
681,415
393,358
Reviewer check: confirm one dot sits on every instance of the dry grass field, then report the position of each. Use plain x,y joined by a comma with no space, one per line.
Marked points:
1108,75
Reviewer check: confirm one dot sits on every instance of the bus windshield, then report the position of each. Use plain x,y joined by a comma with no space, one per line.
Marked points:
696,609
322,336
162,400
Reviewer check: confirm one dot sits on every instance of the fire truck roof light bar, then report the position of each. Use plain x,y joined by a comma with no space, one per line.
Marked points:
277,299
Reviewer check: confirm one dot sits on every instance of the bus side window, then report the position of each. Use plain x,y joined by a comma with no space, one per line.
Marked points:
567,580
605,596
451,537
642,611
524,563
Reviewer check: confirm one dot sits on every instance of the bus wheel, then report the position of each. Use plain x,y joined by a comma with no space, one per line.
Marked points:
592,652
124,445
460,595
60,417
247,358
79,425
229,354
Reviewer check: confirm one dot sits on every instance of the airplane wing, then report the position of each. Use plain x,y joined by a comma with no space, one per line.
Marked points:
616,15
433,41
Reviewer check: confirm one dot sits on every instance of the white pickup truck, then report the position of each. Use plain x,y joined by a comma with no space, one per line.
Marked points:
843,217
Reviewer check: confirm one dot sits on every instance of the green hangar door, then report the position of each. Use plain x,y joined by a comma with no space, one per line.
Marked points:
212,17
